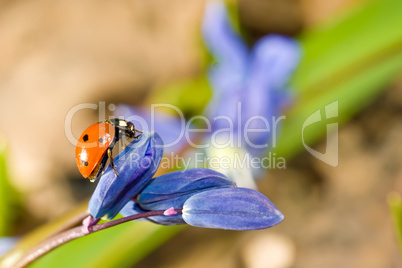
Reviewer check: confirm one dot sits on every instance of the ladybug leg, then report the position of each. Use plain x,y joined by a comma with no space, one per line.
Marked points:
109,153
138,136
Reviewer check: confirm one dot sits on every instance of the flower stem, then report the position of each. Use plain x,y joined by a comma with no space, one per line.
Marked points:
147,214
76,232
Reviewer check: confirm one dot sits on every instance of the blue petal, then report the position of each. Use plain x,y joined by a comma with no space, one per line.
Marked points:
131,208
223,111
226,46
231,208
173,189
273,60
136,166
170,128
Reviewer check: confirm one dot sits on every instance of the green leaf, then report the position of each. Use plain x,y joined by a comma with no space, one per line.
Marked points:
395,206
33,238
352,96
120,246
338,50
9,201
350,60
190,95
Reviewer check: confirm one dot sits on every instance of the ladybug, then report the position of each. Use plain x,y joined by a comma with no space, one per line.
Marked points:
96,143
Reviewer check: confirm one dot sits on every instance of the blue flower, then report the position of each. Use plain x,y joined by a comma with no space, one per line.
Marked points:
136,165
232,209
206,198
249,86
221,207
173,189
249,93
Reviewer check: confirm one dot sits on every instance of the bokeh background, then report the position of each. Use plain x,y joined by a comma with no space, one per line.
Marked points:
57,54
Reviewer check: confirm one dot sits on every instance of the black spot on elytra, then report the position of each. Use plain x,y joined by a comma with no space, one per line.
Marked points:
101,140
85,163
85,138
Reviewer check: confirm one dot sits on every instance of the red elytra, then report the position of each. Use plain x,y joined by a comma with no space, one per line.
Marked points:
96,143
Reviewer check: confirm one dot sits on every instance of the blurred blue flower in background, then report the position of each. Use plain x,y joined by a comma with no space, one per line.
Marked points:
255,79
249,90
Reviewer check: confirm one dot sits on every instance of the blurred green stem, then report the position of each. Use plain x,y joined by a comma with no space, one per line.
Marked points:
395,205
77,232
